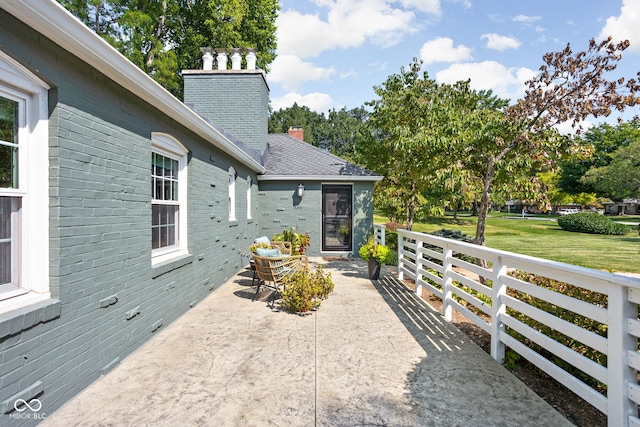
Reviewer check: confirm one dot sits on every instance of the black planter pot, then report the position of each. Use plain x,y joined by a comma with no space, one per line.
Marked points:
374,269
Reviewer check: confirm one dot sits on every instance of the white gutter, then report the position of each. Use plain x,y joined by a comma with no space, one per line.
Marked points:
50,19
349,178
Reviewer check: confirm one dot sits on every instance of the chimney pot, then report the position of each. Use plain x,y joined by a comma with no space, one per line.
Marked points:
222,59
207,58
236,59
251,59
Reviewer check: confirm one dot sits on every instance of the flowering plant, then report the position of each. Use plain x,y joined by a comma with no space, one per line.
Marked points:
255,246
299,241
371,249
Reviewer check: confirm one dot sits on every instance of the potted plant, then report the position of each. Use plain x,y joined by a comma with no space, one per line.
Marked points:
299,241
343,232
253,248
375,255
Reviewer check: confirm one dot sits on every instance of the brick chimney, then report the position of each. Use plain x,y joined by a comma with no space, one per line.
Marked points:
235,99
296,132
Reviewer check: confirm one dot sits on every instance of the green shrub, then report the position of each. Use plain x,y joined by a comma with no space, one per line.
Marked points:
391,239
304,290
592,223
595,298
380,253
453,235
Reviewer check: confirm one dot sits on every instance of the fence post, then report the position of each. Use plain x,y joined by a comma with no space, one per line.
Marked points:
419,258
498,309
383,231
620,342
447,291
400,261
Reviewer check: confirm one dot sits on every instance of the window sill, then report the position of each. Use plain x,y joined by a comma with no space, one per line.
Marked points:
27,311
164,264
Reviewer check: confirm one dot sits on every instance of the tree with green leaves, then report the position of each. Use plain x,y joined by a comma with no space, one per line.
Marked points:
342,130
415,130
620,178
163,37
569,88
311,122
603,141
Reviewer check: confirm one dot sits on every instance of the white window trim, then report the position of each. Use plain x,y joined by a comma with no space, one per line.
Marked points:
16,82
169,146
232,194
249,185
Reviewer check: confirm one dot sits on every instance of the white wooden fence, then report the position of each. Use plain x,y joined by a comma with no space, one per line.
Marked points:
431,262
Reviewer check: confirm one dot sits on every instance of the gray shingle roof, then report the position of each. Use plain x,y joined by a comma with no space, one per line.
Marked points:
288,156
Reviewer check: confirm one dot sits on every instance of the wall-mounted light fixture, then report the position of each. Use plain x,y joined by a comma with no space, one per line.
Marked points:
300,190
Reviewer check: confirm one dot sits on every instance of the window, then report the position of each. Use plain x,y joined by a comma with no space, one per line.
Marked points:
249,183
168,198
232,194
24,187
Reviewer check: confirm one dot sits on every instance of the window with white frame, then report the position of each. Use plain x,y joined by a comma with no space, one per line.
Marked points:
249,184
232,194
24,186
168,197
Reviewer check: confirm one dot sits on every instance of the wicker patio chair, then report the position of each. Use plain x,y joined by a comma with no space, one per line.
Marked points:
284,247
272,270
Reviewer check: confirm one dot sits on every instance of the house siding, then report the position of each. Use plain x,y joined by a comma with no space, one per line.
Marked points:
236,101
280,208
107,300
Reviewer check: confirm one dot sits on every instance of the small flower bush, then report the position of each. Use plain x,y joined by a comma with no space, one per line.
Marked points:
593,223
305,290
380,253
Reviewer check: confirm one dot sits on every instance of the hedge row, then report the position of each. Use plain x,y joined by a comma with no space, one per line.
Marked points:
591,222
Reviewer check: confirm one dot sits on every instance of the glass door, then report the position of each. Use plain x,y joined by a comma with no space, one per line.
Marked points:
337,231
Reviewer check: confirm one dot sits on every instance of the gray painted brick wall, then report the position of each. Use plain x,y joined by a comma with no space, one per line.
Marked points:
281,209
107,300
236,101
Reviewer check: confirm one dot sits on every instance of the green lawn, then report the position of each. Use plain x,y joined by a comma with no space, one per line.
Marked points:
545,239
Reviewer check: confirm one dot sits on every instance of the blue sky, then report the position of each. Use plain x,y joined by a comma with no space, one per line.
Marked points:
332,52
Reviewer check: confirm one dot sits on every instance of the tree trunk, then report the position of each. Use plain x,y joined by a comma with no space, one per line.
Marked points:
158,38
411,207
455,211
97,18
485,202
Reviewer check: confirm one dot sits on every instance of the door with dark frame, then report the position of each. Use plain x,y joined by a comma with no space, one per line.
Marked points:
337,227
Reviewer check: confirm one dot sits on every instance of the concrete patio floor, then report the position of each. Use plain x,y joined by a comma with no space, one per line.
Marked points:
373,354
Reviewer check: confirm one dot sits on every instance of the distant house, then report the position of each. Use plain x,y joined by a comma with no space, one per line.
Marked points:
121,206
626,207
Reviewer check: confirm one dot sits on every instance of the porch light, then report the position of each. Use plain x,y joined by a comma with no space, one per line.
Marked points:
300,190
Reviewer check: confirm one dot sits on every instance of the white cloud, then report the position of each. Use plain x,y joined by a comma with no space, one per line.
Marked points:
348,24
505,82
465,3
426,6
318,102
625,26
442,50
498,42
565,128
291,72
348,74
526,19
